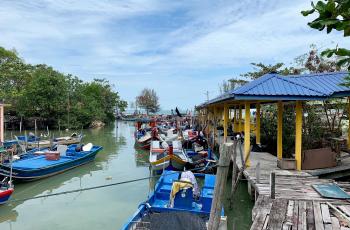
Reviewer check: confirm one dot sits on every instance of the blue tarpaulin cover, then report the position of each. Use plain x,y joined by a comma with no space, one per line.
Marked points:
331,190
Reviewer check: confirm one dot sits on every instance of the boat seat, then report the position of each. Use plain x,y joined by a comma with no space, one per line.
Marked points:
62,149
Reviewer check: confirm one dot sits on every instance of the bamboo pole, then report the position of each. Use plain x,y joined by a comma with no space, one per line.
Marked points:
221,177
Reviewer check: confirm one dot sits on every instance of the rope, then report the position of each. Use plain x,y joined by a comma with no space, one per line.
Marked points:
97,187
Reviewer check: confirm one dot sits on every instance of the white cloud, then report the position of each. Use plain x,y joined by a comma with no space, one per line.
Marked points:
180,48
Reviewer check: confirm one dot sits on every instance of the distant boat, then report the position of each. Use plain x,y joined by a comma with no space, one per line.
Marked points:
166,157
67,140
37,164
177,201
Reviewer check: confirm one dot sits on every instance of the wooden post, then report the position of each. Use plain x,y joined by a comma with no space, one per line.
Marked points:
247,133
2,130
257,128
219,190
225,122
257,168
298,133
272,185
279,130
234,171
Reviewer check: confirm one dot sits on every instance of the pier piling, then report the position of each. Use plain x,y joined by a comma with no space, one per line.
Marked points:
221,177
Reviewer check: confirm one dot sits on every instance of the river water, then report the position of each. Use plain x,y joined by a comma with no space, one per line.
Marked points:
105,208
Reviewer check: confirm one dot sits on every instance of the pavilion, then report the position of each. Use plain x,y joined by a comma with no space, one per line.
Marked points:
279,89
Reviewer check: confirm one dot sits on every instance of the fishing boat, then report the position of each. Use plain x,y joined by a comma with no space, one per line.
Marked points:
6,190
202,159
169,157
177,203
67,140
6,185
41,163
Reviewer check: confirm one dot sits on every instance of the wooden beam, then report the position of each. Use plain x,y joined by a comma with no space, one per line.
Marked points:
279,129
247,132
257,128
298,132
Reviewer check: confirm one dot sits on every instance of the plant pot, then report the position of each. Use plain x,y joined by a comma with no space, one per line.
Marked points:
286,163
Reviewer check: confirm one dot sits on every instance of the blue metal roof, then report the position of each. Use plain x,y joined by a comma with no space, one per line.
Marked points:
273,86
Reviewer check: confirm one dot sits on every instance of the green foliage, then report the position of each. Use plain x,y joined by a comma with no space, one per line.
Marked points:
148,100
333,14
261,69
65,100
231,84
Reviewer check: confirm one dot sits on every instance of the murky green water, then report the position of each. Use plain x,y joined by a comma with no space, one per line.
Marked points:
106,208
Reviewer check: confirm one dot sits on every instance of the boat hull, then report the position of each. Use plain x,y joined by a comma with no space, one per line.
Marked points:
169,162
36,174
5,195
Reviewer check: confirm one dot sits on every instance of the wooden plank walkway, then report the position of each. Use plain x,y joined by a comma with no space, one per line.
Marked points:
297,204
283,214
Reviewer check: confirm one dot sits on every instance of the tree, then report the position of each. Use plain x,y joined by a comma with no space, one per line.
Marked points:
57,98
231,84
122,105
333,14
148,100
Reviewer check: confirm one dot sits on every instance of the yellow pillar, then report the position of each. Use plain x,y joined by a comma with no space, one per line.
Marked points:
298,133
349,122
240,128
226,118
279,129
247,132
234,120
257,128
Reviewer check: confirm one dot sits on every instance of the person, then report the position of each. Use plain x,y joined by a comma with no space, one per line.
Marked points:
189,176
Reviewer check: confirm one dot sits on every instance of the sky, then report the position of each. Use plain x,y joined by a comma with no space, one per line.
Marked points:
182,49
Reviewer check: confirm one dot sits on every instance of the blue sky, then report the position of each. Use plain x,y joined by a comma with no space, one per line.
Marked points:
179,48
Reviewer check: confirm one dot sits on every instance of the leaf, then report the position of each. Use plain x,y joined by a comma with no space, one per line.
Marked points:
343,61
347,31
328,53
307,12
343,52
320,6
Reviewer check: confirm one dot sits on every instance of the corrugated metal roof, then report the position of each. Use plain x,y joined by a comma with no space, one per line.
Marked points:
273,86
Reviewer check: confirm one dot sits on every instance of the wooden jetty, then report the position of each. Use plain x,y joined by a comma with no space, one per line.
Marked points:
296,205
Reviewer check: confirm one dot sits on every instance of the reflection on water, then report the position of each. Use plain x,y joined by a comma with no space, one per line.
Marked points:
106,208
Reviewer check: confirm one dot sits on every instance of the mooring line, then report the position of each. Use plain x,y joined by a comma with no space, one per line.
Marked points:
99,186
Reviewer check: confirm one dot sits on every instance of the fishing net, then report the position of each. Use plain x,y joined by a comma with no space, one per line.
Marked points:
173,221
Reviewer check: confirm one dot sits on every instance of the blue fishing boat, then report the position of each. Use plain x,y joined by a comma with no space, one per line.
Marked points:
37,164
177,203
